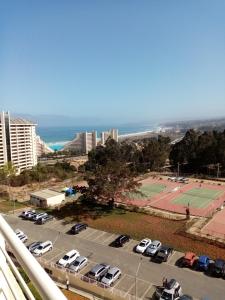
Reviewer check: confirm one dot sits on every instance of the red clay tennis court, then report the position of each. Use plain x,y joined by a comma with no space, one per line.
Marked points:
201,198
216,226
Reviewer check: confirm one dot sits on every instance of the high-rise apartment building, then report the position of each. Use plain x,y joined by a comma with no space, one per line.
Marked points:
17,142
86,141
113,134
83,143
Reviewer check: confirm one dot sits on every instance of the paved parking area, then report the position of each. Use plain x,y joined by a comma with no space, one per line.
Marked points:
93,244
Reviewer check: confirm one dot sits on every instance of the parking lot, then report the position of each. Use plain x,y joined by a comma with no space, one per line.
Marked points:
139,274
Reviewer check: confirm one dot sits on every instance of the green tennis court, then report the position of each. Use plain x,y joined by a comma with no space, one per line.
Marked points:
197,198
146,191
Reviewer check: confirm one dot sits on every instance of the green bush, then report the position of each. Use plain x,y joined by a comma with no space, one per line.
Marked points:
24,275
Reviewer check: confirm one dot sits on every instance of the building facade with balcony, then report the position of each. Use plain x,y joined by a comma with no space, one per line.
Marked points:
17,142
86,141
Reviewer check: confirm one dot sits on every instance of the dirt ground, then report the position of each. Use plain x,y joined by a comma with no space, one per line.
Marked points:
72,296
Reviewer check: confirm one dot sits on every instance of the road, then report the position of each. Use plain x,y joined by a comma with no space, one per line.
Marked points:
94,244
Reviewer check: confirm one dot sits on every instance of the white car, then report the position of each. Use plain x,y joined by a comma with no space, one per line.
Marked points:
143,245
26,212
38,216
43,248
172,291
21,235
79,263
68,258
153,248
111,276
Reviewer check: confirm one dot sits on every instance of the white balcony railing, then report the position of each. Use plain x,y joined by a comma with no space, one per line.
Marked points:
41,280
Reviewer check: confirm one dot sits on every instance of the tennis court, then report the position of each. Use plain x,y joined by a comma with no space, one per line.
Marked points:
197,197
146,191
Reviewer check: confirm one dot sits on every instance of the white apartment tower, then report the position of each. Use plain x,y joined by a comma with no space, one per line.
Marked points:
113,134
17,142
83,142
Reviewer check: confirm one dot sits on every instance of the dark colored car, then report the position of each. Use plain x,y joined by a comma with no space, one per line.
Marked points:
78,227
44,219
33,246
121,240
203,263
163,254
185,297
218,268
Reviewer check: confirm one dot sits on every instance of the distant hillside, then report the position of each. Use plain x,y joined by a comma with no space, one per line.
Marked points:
202,125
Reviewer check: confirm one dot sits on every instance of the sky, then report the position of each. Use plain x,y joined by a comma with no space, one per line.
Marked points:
113,61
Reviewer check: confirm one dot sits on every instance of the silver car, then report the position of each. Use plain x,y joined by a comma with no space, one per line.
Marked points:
111,276
153,248
98,271
38,216
79,263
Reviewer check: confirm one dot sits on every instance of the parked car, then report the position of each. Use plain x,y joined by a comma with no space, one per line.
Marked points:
98,271
75,229
22,236
25,213
185,297
43,248
111,276
163,254
44,219
218,268
33,246
68,258
143,245
203,263
79,263
188,260
183,180
172,291
171,178
153,248
29,216
38,216
121,240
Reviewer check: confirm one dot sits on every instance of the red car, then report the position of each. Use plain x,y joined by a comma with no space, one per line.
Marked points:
189,259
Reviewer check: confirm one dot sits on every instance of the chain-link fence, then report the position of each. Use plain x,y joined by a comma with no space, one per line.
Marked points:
83,282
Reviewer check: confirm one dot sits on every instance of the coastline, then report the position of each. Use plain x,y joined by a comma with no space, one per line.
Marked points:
57,137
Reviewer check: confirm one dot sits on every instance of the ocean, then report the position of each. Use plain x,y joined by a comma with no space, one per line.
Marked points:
57,137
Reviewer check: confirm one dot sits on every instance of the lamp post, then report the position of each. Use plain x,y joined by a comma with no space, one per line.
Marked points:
139,264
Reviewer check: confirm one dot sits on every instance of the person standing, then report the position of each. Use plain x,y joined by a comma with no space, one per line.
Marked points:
67,284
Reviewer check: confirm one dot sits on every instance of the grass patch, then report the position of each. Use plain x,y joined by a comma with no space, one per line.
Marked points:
146,191
137,225
6,205
197,198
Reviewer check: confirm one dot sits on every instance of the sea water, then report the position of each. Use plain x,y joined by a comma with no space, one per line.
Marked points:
57,137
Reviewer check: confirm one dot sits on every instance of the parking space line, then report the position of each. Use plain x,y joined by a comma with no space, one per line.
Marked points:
60,253
108,239
92,233
168,262
146,291
99,236
129,289
119,280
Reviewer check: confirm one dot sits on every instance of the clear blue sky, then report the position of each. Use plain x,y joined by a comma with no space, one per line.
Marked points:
128,61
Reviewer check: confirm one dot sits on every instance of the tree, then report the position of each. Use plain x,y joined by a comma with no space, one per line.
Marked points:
8,172
108,173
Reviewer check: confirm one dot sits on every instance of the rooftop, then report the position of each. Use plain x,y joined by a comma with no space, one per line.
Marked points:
46,193
20,121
